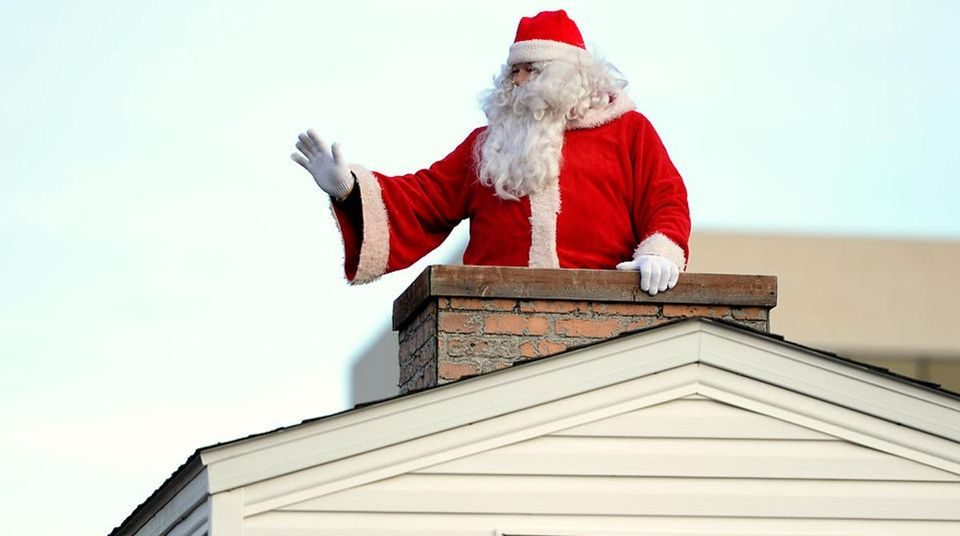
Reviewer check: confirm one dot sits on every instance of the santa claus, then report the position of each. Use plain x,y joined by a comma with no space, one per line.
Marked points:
565,175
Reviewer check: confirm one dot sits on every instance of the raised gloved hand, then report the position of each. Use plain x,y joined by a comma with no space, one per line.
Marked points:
326,166
657,273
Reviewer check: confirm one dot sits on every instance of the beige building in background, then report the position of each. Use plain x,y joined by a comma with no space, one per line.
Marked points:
887,302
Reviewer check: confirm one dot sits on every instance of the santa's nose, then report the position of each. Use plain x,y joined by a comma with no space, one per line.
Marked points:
521,73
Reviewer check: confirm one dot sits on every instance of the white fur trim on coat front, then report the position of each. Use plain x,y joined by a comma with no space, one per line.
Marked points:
544,207
620,104
545,204
535,50
375,245
659,244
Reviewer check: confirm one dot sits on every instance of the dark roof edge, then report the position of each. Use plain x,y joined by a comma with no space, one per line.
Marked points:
170,487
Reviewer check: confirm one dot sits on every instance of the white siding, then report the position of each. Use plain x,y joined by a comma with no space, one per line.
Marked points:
714,458
693,438
690,466
696,418
197,523
611,495
378,524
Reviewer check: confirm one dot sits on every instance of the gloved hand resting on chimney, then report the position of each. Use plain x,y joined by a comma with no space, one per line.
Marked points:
657,273
327,166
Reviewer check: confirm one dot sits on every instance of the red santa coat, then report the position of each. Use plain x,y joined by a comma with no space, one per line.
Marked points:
618,195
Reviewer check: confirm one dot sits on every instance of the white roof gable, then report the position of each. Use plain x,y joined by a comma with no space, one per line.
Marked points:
710,459
793,387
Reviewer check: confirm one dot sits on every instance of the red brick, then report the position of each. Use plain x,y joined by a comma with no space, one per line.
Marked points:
551,306
482,304
626,309
597,329
683,311
515,325
537,325
455,371
749,313
541,348
459,322
508,324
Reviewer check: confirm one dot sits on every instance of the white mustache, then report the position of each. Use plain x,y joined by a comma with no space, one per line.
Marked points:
530,101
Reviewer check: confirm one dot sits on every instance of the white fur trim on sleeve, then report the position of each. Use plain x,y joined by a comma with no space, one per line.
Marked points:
659,244
544,207
535,50
375,245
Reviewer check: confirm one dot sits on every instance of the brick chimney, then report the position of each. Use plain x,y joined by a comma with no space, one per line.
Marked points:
457,321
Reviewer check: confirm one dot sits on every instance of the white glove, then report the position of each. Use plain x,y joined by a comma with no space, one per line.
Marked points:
327,167
657,273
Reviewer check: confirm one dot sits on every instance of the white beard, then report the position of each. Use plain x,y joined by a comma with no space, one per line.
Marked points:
520,151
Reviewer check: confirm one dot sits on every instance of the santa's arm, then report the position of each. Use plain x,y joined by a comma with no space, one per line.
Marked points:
390,222
362,221
661,214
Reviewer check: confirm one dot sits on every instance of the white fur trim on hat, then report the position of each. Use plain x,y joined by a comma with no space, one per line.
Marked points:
620,104
535,50
544,207
659,244
375,246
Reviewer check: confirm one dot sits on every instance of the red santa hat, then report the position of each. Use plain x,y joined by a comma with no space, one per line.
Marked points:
548,36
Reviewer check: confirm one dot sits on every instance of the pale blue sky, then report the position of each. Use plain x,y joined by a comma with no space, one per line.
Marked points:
169,279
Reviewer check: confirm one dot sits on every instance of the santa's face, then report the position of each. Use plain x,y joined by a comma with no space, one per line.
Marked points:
522,72
528,109
520,151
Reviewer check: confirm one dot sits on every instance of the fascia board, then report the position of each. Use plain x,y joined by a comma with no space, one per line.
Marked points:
825,416
840,383
448,407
